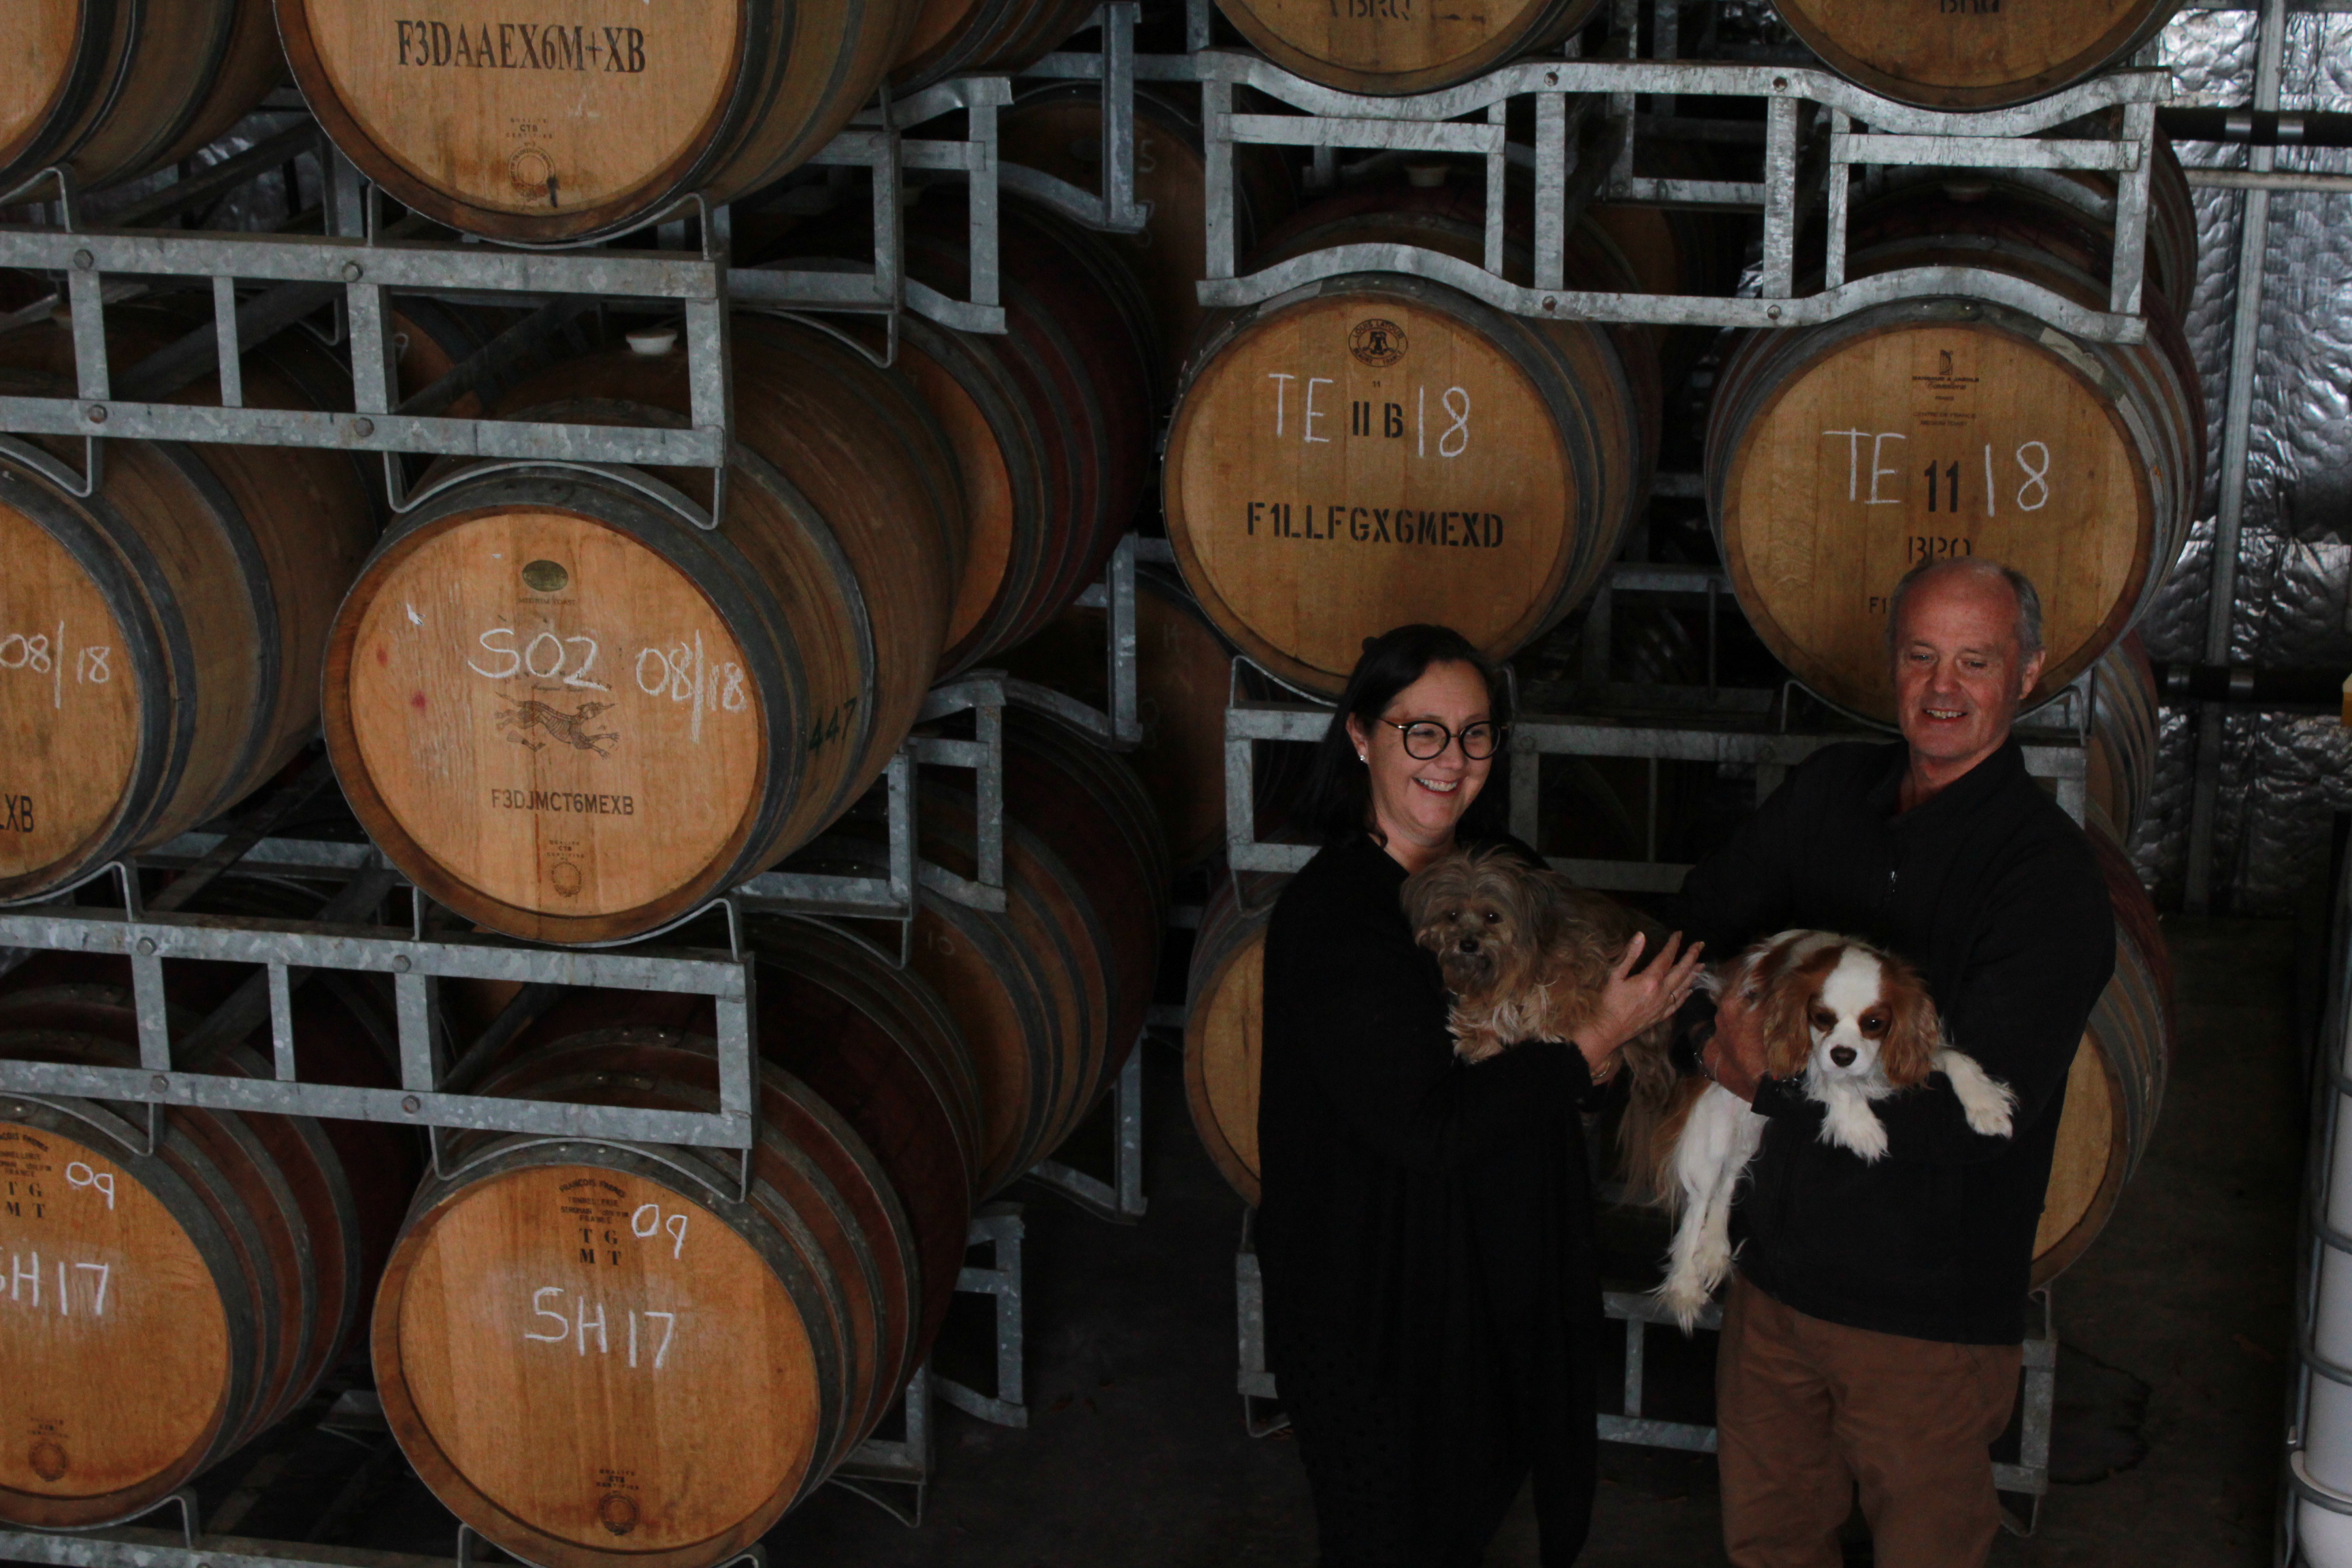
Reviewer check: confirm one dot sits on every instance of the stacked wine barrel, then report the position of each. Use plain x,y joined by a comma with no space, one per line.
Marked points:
1841,455
567,717
111,92
557,1318
1378,448
171,1300
160,639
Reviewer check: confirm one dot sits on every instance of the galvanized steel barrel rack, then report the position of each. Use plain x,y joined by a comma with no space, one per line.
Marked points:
1863,131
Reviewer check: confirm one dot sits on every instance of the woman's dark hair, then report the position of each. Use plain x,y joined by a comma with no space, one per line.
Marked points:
1337,803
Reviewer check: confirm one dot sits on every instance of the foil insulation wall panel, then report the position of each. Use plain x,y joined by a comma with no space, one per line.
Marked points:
2281,775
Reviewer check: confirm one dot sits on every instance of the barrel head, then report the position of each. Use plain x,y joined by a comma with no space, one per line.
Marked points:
541,717
494,115
1967,53
114,1346
1355,462
37,39
1911,443
1391,45
599,1360
69,709
1223,1047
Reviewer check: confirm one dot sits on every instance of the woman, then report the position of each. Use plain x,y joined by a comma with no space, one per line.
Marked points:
1427,1235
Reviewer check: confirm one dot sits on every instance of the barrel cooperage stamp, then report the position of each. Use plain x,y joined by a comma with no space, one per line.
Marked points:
1377,344
569,728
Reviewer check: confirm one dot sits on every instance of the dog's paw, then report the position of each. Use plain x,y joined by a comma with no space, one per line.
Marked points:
1685,1295
1851,1124
1989,1104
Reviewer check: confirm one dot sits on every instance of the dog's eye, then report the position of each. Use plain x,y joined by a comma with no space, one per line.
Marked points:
1824,1020
1873,1024
1493,917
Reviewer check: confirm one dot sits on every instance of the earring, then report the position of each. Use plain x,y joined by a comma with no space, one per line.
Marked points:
1363,757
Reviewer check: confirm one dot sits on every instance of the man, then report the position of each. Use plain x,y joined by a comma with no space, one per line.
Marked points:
1872,1332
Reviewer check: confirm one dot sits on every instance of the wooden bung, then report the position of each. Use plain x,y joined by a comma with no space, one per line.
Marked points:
168,1308
2116,1087
113,90
1387,46
544,130
801,1314
569,716
1971,54
1839,456
1376,449
160,640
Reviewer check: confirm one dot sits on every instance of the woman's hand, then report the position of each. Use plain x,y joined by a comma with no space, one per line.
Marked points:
1632,1004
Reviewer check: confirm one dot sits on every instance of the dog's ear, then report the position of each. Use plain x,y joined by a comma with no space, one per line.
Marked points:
1785,1010
1915,1031
1426,893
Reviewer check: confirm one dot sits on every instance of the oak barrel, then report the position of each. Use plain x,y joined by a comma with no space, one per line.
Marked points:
167,1308
982,38
1389,46
1839,456
160,640
603,1355
2119,754
115,88
1050,995
569,716
1378,448
1057,130
2116,1085
551,129
1051,419
1971,54
1225,1014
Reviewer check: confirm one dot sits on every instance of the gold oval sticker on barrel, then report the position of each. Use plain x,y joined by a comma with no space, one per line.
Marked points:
1914,444
541,115
605,1360
115,1359
68,703
579,749
37,39
1354,464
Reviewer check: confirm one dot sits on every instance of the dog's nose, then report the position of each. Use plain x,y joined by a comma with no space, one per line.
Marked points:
1469,945
1842,1055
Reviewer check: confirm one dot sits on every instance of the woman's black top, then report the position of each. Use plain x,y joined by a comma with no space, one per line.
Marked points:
1432,1300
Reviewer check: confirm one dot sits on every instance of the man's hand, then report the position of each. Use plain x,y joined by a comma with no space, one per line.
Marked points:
1735,1057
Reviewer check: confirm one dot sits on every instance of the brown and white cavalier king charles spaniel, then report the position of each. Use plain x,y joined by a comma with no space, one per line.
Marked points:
1848,1022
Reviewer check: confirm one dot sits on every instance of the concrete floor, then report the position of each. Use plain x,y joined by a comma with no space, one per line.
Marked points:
2176,1329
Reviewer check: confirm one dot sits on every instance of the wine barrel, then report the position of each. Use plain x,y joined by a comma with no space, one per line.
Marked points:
1051,419
159,641
1972,55
1391,47
1183,679
1377,449
599,1354
982,37
112,90
2116,1087
1049,994
170,1307
2119,756
1224,1013
2077,463
1057,130
569,717
547,129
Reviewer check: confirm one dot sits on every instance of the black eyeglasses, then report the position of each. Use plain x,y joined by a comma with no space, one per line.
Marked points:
1427,739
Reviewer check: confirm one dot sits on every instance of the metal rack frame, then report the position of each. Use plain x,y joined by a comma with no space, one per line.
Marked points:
1818,128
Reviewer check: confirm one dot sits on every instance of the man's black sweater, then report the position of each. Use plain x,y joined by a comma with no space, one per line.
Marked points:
1992,893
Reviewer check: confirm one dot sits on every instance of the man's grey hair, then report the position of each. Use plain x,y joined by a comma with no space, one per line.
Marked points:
2029,600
